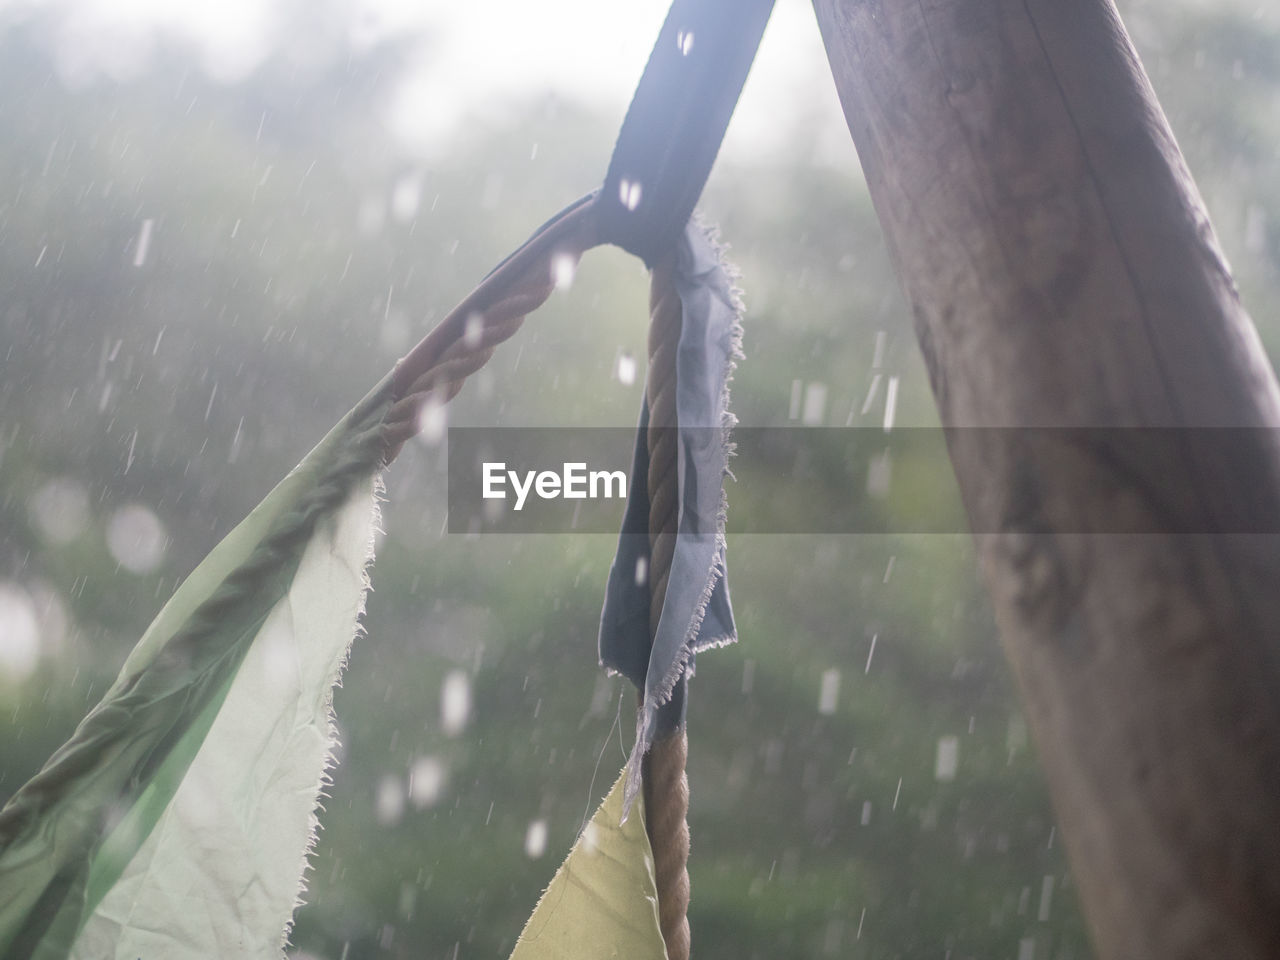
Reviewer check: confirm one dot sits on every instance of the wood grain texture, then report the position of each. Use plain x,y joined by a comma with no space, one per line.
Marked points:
1062,272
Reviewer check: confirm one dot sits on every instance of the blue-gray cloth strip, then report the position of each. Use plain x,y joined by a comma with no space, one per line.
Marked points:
676,121
696,613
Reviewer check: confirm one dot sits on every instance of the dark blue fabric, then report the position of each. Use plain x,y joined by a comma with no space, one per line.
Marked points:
696,612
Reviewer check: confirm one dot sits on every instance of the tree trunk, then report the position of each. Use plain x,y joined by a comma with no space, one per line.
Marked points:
1062,272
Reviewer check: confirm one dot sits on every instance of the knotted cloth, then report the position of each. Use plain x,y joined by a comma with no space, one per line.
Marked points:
696,613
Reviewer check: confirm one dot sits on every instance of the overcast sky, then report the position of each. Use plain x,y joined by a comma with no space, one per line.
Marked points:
590,50
477,51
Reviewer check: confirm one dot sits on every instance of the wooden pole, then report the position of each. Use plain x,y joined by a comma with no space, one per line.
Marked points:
1062,272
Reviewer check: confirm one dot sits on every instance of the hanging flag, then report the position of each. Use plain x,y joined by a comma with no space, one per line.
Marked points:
696,613
603,901
176,821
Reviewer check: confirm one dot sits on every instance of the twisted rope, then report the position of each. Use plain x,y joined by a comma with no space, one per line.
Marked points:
666,787
463,342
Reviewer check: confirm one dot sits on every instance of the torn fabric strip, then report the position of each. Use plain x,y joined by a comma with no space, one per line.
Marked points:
696,613
177,820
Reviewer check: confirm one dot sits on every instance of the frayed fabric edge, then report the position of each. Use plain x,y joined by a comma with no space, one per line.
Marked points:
325,780
647,714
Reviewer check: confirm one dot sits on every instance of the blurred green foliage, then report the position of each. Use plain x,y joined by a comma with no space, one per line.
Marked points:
283,278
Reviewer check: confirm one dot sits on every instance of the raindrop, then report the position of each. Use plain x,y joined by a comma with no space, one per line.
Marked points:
871,395
279,656
625,369
1046,897
793,412
866,812
629,194
1027,948
890,403
535,839
426,781
948,758
473,333
829,692
455,702
432,421
684,41
563,267
642,571
406,198
871,653
748,676
815,404
389,805
136,538
19,633
144,243
60,509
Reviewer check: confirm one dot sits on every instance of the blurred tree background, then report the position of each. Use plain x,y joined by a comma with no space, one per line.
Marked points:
199,277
